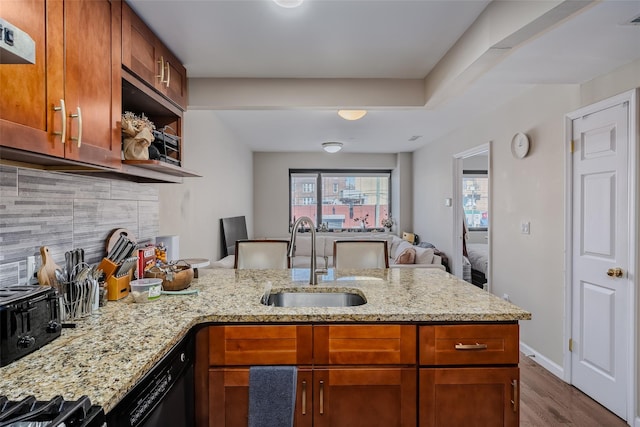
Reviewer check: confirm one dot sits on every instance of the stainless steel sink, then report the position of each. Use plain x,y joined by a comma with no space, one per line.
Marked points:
315,299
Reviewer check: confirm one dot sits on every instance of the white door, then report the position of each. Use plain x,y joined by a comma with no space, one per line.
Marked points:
601,287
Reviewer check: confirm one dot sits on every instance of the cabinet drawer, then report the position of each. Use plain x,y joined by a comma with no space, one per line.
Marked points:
364,344
260,345
468,344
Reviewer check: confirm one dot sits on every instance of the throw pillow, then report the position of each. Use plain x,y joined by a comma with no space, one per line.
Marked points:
408,256
424,255
402,246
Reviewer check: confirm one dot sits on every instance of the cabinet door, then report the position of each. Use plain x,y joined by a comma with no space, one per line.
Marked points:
174,85
140,48
27,118
149,59
93,81
229,398
364,397
480,397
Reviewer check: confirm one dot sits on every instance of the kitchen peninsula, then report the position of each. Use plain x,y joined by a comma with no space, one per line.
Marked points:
106,354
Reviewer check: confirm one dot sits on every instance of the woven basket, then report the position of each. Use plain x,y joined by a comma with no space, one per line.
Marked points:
175,277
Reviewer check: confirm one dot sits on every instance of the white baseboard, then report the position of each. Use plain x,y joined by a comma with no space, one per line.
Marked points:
541,360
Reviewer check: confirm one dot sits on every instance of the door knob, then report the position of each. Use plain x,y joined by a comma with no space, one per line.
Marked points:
614,272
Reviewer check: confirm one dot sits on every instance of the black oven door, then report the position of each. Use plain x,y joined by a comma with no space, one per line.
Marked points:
164,397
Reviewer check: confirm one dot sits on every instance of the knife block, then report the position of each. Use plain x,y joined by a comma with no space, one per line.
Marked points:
118,287
107,267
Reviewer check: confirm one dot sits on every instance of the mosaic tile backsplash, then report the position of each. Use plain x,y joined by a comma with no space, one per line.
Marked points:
64,212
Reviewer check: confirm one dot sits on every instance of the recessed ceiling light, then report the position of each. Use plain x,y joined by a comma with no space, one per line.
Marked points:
332,147
352,114
288,3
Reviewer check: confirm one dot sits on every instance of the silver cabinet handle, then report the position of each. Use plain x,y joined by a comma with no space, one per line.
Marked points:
63,109
168,73
79,117
516,399
475,346
304,398
161,75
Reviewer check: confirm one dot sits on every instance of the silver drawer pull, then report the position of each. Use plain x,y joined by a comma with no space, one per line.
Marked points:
475,346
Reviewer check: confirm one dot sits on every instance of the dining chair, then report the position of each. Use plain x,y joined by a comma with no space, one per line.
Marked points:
261,254
365,253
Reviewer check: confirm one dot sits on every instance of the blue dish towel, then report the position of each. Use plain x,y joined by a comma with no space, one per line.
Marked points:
272,395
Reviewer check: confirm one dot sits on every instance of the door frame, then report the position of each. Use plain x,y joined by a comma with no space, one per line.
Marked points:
456,205
634,214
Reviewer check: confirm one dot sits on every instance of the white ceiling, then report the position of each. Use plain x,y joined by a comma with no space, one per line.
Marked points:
360,39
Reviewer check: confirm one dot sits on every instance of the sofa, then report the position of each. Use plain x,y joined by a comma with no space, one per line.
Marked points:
402,254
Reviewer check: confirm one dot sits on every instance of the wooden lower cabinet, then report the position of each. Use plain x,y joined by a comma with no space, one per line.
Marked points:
366,374
469,397
364,397
335,397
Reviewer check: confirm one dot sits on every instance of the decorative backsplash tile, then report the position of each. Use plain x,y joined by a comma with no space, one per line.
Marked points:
66,211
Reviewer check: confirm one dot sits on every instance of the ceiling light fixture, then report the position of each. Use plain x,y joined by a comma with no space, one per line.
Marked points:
288,3
352,114
332,147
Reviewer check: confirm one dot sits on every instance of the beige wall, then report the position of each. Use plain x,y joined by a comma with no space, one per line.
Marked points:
193,209
271,183
530,268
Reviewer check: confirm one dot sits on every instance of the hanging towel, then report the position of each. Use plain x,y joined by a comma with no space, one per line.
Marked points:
272,395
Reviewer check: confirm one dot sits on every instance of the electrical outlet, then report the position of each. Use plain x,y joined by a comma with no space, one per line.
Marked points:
31,270
506,297
525,227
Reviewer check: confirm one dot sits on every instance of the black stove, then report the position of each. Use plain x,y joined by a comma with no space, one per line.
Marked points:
56,412
29,319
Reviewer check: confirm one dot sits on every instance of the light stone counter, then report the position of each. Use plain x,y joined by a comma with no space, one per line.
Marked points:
107,353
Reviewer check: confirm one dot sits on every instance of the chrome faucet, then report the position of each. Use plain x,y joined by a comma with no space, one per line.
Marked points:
313,272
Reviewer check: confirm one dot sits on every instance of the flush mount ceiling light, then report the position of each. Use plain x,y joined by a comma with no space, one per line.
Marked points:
352,114
332,147
288,3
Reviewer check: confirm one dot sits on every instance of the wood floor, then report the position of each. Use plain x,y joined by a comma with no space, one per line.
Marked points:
548,401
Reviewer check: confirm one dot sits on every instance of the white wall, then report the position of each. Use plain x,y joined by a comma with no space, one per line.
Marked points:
193,209
271,183
530,268
402,194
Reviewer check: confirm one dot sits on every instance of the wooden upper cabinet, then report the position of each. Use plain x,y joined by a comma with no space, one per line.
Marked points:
148,58
174,85
27,120
68,103
92,85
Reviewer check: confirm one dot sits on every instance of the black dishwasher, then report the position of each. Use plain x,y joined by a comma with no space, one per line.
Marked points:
164,396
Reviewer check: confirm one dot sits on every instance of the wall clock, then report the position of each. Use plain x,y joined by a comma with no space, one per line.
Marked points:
520,145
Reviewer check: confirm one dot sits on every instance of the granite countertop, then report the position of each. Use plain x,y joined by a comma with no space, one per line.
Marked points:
108,352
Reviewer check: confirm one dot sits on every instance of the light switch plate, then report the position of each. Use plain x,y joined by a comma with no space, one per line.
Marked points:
448,201
525,227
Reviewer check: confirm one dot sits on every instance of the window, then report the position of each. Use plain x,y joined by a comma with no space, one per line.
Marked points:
475,199
350,199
